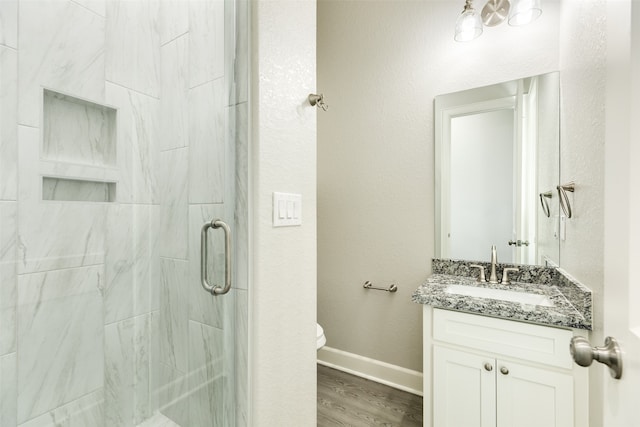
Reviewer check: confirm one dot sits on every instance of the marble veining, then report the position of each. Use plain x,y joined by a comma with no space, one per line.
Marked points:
8,386
207,123
52,55
78,131
206,41
8,119
147,266
174,314
60,338
159,420
119,264
132,45
241,329
174,20
88,410
127,371
8,289
206,376
174,200
173,394
571,300
175,93
137,134
73,190
9,23
102,318
241,194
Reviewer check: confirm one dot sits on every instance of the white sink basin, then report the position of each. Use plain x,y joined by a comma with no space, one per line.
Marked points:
500,294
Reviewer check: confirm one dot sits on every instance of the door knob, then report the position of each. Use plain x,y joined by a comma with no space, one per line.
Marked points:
583,354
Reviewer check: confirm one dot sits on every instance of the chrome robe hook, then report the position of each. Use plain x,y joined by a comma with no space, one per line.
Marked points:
318,101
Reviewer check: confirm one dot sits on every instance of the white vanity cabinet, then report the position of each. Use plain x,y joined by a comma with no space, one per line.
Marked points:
483,371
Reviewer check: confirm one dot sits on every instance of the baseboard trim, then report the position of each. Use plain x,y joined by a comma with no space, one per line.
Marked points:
371,369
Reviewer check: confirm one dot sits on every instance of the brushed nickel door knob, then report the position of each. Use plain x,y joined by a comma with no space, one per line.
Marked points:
583,354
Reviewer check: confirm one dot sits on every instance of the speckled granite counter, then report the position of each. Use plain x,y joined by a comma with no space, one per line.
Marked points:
571,300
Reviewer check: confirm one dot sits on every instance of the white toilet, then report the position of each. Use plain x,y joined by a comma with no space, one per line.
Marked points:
322,340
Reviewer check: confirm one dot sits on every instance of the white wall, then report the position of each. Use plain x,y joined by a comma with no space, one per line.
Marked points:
482,184
582,82
380,65
283,307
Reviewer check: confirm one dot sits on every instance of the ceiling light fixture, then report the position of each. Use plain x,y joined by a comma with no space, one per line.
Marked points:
469,25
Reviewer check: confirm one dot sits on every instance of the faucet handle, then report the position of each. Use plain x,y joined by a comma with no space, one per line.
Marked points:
481,278
505,277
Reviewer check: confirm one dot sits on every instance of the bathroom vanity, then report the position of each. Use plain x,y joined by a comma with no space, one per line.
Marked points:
498,355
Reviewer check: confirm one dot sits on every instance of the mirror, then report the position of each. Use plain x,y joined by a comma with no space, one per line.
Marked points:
497,168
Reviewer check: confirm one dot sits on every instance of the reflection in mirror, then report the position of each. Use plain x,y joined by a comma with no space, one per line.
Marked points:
497,161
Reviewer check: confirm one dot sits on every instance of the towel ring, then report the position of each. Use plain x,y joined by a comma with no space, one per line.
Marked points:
545,203
564,198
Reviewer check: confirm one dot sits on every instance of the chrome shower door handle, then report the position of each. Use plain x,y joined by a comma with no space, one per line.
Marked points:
213,289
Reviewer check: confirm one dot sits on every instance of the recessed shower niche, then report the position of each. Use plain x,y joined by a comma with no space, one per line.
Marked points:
78,152
78,131
73,190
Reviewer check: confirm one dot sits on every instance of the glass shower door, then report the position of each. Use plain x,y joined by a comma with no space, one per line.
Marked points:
122,132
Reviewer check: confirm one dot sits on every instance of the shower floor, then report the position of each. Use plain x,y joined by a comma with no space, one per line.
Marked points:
158,420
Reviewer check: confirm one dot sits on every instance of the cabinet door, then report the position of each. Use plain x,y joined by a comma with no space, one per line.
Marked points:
533,397
464,389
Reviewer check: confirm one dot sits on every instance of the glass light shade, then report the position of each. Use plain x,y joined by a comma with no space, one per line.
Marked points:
524,12
468,26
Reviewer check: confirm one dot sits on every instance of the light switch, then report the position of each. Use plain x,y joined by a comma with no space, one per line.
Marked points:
287,209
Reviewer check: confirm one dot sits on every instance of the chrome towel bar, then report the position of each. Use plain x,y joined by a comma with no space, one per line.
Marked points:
369,285
213,289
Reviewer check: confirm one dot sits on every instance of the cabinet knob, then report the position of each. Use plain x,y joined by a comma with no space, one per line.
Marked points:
488,367
504,371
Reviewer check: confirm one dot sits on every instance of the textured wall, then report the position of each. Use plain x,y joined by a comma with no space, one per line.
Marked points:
380,64
582,83
284,259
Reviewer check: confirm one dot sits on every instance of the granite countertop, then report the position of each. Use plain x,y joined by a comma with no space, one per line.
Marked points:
571,300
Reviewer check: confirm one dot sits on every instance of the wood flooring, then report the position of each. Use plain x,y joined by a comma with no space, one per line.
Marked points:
348,400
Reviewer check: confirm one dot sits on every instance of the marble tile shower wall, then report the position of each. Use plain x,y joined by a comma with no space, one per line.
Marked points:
102,318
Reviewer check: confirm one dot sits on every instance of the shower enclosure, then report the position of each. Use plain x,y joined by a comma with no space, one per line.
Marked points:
123,130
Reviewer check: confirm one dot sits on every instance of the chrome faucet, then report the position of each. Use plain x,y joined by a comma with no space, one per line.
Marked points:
493,278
